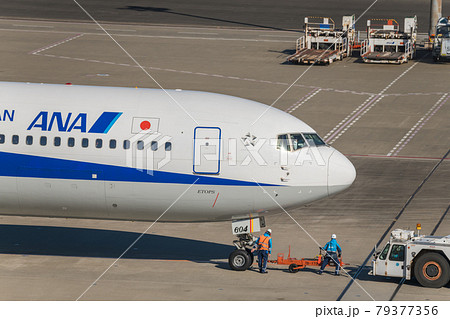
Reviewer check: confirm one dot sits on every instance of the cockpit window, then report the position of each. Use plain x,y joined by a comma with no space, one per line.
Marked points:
283,143
297,141
313,139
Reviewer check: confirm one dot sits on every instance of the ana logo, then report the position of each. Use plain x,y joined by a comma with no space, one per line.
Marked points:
55,120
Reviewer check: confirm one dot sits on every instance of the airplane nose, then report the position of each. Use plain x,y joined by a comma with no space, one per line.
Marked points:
341,173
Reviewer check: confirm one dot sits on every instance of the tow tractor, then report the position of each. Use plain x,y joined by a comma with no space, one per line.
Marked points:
322,42
409,255
441,40
385,42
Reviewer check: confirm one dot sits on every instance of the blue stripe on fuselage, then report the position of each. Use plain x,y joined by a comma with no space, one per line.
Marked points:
104,122
21,165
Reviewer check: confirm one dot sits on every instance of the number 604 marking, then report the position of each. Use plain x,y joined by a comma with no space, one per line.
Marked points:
240,229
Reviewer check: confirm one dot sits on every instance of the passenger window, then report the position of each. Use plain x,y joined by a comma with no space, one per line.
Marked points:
154,145
385,252
168,146
84,142
57,141
314,139
71,142
397,253
99,143
15,139
140,145
112,143
126,144
283,143
29,140
43,140
2,138
297,141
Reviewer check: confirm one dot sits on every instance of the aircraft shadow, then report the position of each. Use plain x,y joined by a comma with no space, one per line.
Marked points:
82,242
169,11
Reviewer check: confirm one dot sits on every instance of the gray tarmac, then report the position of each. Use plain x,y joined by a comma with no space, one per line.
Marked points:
266,14
391,121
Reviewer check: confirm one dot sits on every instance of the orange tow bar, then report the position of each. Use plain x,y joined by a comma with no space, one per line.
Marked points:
296,264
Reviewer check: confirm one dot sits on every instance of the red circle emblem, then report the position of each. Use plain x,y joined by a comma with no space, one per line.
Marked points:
145,125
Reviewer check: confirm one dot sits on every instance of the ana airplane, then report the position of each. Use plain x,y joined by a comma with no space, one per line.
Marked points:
130,154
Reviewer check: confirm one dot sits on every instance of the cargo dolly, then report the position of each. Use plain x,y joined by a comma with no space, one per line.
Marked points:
385,42
322,42
296,264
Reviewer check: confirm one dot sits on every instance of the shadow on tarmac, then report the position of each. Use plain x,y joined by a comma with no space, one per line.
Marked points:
169,11
364,276
97,243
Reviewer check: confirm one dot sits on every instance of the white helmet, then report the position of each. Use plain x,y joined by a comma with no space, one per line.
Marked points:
269,231
333,236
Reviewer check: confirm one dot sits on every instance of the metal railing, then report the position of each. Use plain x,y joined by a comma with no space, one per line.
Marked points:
365,47
300,44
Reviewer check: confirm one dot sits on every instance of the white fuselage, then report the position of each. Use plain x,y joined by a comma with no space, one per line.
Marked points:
133,154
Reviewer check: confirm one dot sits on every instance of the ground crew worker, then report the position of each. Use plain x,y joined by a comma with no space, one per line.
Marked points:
333,250
264,246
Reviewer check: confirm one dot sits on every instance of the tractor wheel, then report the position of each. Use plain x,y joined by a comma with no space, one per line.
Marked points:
432,270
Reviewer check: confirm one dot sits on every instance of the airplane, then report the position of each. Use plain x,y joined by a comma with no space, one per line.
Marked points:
140,154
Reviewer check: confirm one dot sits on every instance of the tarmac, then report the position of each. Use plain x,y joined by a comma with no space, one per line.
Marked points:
390,120
265,14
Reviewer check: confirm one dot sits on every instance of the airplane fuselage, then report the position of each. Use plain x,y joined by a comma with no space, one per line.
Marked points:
133,154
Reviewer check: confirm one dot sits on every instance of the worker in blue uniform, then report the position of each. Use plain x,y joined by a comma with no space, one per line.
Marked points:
264,246
333,253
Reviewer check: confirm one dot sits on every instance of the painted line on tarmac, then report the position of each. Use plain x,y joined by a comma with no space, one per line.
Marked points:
397,157
32,26
303,100
55,44
352,119
368,100
155,36
205,74
122,30
237,78
362,109
164,26
40,50
278,36
418,126
201,33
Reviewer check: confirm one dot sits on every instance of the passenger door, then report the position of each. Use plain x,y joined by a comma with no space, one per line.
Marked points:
207,148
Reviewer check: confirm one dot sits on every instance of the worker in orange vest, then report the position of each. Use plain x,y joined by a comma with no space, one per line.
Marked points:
264,246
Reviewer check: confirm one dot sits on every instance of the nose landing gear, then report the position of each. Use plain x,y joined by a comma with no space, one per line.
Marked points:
242,258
